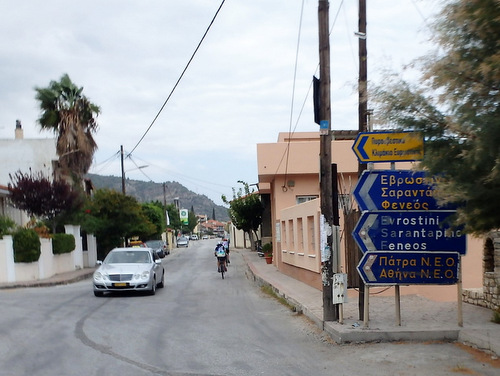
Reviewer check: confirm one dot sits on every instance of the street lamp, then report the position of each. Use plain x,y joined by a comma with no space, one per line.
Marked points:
123,175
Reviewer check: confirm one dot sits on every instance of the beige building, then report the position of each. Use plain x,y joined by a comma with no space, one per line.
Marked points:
289,186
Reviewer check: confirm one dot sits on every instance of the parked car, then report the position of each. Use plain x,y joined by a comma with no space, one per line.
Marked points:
204,237
183,241
193,237
159,246
129,269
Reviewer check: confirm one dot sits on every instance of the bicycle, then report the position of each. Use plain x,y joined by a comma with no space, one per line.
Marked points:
221,261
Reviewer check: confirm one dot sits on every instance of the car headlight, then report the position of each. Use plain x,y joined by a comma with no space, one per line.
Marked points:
98,276
143,276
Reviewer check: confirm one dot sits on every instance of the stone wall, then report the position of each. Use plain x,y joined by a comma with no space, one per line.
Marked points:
489,295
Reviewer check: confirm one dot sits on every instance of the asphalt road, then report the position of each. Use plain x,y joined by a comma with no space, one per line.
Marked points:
198,324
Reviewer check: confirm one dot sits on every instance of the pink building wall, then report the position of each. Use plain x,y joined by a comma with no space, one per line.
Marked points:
289,169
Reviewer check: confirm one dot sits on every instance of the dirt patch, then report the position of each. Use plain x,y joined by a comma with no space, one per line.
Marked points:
480,355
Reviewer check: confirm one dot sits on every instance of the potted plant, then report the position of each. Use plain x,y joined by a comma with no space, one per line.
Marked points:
267,250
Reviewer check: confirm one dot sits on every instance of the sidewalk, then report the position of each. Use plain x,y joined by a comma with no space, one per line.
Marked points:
421,319
58,279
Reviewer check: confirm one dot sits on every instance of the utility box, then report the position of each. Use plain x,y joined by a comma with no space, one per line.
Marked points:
339,288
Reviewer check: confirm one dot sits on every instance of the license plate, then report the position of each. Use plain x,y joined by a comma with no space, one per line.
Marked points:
120,284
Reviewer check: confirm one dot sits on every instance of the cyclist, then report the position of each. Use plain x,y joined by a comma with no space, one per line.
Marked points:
225,244
220,253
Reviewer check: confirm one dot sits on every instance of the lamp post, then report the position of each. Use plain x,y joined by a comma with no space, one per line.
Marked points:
123,174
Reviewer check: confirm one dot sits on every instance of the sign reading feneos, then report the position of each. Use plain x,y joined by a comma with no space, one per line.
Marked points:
389,146
408,232
397,190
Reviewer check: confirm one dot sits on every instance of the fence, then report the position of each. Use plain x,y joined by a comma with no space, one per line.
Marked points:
48,264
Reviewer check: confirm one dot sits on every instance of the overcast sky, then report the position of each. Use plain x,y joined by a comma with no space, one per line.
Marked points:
248,81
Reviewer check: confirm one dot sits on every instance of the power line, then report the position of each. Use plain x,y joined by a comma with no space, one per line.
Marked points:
180,77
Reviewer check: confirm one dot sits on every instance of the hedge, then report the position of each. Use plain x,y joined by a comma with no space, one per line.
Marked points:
26,245
63,243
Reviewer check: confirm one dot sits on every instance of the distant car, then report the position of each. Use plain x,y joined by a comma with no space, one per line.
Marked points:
204,237
159,246
183,241
193,237
129,269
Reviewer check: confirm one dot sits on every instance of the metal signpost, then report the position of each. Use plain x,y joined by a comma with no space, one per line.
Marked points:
402,232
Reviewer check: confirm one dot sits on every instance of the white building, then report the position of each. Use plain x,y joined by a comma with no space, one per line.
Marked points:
20,154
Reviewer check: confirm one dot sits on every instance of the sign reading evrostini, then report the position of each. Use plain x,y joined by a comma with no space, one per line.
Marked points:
408,231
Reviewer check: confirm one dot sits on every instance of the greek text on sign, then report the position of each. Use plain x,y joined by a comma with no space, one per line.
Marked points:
401,268
389,146
408,231
396,190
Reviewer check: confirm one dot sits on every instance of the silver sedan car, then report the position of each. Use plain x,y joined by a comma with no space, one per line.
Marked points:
129,269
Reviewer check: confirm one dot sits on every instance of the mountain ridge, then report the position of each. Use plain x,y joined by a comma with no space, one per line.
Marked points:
150,191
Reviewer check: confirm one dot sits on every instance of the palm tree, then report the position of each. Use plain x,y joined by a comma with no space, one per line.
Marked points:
72,117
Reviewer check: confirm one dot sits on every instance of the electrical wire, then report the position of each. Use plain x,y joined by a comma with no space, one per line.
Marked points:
180,77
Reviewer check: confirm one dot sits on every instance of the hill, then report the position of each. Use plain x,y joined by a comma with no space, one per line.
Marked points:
150,191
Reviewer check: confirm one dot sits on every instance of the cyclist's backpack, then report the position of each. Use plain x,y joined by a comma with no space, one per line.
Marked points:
220,252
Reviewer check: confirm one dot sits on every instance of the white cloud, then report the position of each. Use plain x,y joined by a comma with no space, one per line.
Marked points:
236,93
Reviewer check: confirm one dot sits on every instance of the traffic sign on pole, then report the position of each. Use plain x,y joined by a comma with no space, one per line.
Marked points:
408,231
409,268
388,146
396,190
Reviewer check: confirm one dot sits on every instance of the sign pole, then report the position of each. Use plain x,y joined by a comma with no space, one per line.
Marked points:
397,296
459,294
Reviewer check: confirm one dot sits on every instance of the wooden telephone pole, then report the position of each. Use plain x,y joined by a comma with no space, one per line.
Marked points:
329,309
362,117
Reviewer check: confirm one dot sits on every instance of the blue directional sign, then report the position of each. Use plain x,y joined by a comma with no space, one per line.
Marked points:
396,190
408,231
409,268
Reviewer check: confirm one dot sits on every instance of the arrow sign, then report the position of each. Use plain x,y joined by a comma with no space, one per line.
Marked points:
396,190
408,231
405,268
388,146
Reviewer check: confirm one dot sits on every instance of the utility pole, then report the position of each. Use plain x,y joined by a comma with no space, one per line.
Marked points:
326,191
362,118
123,170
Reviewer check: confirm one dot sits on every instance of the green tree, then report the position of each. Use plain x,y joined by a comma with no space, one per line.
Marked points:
245,211
113,218
457,107
42,198
73,118
156,216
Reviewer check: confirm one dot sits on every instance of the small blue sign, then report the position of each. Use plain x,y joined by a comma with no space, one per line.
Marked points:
396,190
409,268
408,231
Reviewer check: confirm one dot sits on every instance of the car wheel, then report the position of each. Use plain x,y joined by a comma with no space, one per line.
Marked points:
98,293
162,282
153,288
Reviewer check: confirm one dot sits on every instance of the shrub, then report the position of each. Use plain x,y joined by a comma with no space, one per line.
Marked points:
63,243
267,249
26,245
496,316
7,226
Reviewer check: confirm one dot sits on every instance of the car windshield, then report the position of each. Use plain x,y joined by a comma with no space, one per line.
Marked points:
128,257
154,243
